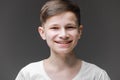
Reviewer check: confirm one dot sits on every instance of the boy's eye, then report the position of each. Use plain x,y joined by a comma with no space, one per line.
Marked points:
70,27
54,28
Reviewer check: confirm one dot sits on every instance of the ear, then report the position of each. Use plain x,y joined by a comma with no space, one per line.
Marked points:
42,32
80,30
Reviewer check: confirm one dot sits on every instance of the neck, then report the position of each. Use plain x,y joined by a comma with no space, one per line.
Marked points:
68,60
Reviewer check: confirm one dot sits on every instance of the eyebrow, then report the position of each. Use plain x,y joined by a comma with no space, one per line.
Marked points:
71,24
53,25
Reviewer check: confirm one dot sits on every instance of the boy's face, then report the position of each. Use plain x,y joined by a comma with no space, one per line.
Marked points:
61,32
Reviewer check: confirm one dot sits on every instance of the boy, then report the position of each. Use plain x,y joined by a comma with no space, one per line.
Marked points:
61,28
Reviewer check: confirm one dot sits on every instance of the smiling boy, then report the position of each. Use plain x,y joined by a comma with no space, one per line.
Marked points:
61,29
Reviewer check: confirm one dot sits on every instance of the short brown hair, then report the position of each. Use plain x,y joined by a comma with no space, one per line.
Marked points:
54,7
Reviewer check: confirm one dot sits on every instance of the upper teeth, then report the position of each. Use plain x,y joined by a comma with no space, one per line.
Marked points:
63,42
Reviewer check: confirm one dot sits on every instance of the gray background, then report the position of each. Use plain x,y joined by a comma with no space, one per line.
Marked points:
20,43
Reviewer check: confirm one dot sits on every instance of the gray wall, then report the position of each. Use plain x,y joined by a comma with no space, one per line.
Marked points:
20,43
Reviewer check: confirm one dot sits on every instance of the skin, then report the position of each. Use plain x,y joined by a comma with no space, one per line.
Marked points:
61,33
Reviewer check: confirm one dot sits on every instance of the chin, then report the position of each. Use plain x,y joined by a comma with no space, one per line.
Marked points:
63,51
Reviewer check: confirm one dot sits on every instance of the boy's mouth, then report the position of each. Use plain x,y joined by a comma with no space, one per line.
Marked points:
63,42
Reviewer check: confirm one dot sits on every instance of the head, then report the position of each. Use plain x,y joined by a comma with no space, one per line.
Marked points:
60,20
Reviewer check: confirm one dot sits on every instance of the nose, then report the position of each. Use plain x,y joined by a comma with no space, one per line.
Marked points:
63,34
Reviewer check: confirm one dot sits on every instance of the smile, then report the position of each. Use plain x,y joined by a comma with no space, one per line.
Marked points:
63,42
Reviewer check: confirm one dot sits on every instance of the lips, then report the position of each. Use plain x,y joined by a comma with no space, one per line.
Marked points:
63,44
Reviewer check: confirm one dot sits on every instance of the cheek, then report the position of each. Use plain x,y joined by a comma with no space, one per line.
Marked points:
78,35
75,35
50,35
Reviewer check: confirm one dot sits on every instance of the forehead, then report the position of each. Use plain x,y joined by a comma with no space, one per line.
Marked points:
63,18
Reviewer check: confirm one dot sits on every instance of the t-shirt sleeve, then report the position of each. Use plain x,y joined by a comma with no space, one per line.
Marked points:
29,72
20,76
24,74
104,76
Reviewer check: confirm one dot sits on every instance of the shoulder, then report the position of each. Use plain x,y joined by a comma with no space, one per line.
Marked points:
33,70
95,71
32,67
91,66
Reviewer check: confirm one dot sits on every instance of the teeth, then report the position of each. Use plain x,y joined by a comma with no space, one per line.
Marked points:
64,42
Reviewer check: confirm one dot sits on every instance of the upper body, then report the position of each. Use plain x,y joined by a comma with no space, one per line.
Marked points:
61,29
36,71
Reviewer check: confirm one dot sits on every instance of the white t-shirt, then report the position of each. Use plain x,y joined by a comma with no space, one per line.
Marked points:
36,71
